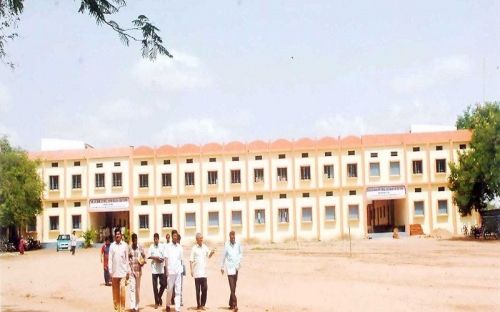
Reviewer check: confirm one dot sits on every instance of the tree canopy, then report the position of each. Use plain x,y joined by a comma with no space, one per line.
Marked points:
20,186
141,31
475,178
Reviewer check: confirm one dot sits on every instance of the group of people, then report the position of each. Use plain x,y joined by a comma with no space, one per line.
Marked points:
123,269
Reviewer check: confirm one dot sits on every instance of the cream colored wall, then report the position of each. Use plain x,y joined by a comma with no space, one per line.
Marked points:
328,160
306,230
330,229
384,158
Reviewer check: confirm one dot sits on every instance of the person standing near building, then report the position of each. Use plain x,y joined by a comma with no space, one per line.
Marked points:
104,260
72,240
231,259
200,254
136,256
156,254
165,274
174,264
119,269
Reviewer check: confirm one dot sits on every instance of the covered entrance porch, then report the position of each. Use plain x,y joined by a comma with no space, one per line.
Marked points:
386,209
106,214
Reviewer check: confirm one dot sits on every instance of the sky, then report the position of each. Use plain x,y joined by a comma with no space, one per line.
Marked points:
247,70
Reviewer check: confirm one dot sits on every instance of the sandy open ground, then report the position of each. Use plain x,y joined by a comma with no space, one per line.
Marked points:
411,274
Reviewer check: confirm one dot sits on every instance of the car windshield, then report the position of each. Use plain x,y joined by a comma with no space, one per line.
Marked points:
61,237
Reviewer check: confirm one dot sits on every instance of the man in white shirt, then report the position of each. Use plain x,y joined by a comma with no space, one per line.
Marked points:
231,260
72,240
119,270
157,256
198,263
174,266
165,275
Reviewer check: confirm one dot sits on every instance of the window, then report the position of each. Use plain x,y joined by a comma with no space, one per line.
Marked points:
190,219
441,189
416,149
98,165
328,171
54,223
282,174
394,168
374,169
373,155
54,182
419,208
442,207
144,202
440,165
281,156
329,193
54,165
55,205
306,214
77,204
235,176
144,221
282,196
117,179
166,179
76,181
258,174
353,212
212,159
236,217
260,216
418,190
212,177
259,197
329,213
417,167
305,195
352,192
213,218
143,180
351,153
190,200
236,198
117,164
167,201
77,221
305,173
76,164
235,158
352,170
305,155
394,153
99,180
213,199
189,178
283,215
144,162
328,154
258,157
462,146
31,226
439,147
167,220
189,161
166,161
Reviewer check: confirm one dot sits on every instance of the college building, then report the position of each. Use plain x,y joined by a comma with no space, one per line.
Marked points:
265,191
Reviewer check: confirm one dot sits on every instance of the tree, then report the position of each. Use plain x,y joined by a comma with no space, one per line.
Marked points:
475,178
20,187
101,10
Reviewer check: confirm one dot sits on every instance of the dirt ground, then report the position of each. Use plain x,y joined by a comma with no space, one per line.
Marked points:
410,274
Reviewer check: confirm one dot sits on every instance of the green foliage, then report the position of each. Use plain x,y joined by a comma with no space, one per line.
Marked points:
88,237
126,235
20,186
475,178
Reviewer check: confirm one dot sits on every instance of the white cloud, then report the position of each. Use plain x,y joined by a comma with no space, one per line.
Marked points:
4,99
123,109
11,135
340,125
181,72
196,131
440,71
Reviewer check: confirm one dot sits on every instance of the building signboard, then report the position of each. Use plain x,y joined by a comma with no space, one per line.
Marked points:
109,204
386,192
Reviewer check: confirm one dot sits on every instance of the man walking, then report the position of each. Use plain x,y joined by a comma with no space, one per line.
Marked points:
119,269
72,240
165,274
156,254
137,256
104,260
231,260
198,263
174,266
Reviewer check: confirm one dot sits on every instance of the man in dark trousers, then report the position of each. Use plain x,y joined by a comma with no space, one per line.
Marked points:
200,254
231,259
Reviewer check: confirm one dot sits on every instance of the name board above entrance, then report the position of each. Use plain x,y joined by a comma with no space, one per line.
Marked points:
385,192
109,204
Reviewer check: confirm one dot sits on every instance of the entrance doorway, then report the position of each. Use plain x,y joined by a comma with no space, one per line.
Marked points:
385,215
106,222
